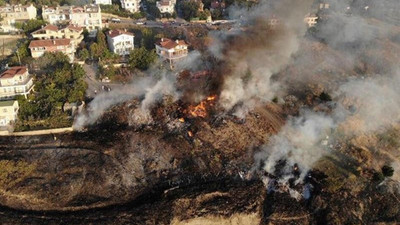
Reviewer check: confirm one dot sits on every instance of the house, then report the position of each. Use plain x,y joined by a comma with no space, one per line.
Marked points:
171,51
15,81
311,19
166,6
11,14
324,6
120,42
131,5
87,16
8,112
39,47
103,2
49,31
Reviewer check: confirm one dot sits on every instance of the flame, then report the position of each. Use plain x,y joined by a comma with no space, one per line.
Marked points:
182,120
200,110
190,133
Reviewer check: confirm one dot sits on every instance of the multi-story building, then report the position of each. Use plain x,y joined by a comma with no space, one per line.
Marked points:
166,6
72,32
311,19
171,51
120,42
103,2
11,14
87,16
8,112
39,47
15,81
131,5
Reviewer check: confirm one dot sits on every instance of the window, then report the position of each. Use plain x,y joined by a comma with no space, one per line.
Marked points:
4,110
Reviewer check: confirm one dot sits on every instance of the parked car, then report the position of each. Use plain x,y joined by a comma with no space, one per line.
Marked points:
140,23
115,20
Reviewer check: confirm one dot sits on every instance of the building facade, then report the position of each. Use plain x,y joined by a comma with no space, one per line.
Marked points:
166,6
131,5
15,81
8,112
103,2
39,47
311,20
171,51
11,14
87,16
120,42
72,32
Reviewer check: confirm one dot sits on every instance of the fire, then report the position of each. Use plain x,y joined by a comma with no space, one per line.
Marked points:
200,110
190,133
182,120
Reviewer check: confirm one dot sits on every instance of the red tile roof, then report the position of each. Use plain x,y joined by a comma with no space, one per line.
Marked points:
74,27
50,27
168,43
13,71
49,43
115,33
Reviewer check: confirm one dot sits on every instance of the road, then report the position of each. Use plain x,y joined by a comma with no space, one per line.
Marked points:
95,86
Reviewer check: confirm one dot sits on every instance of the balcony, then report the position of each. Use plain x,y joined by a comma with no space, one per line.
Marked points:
20,88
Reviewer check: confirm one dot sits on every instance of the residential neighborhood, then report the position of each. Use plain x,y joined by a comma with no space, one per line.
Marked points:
110,43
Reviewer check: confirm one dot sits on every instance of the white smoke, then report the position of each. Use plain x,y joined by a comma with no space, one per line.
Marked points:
149,87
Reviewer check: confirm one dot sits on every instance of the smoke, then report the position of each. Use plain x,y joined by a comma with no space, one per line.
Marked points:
257,51
149,87
300,143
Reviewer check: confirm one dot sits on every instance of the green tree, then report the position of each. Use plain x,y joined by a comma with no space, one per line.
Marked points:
83,54
141,58
189,9
21,54
31,25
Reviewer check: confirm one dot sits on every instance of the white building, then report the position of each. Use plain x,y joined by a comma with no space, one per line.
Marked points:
65,45
166,6
87,16
131,5
171,51
11,14
102,2
8,112
120,42
311,20
15,81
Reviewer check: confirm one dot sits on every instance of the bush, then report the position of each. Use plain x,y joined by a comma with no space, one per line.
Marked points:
387,171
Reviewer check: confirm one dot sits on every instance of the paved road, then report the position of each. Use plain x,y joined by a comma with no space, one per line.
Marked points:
95,86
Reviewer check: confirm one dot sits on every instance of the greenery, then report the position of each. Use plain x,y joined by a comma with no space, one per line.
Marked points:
30,25
45,108
153,10
99,50
141,58
189,9
21,55
83,54
116,10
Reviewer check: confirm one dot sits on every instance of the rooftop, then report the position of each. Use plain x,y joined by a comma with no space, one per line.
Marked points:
13,71
117,32
168,43
49,43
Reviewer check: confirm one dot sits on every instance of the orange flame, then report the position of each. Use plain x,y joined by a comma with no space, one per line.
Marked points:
200,110
182,120
190,133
